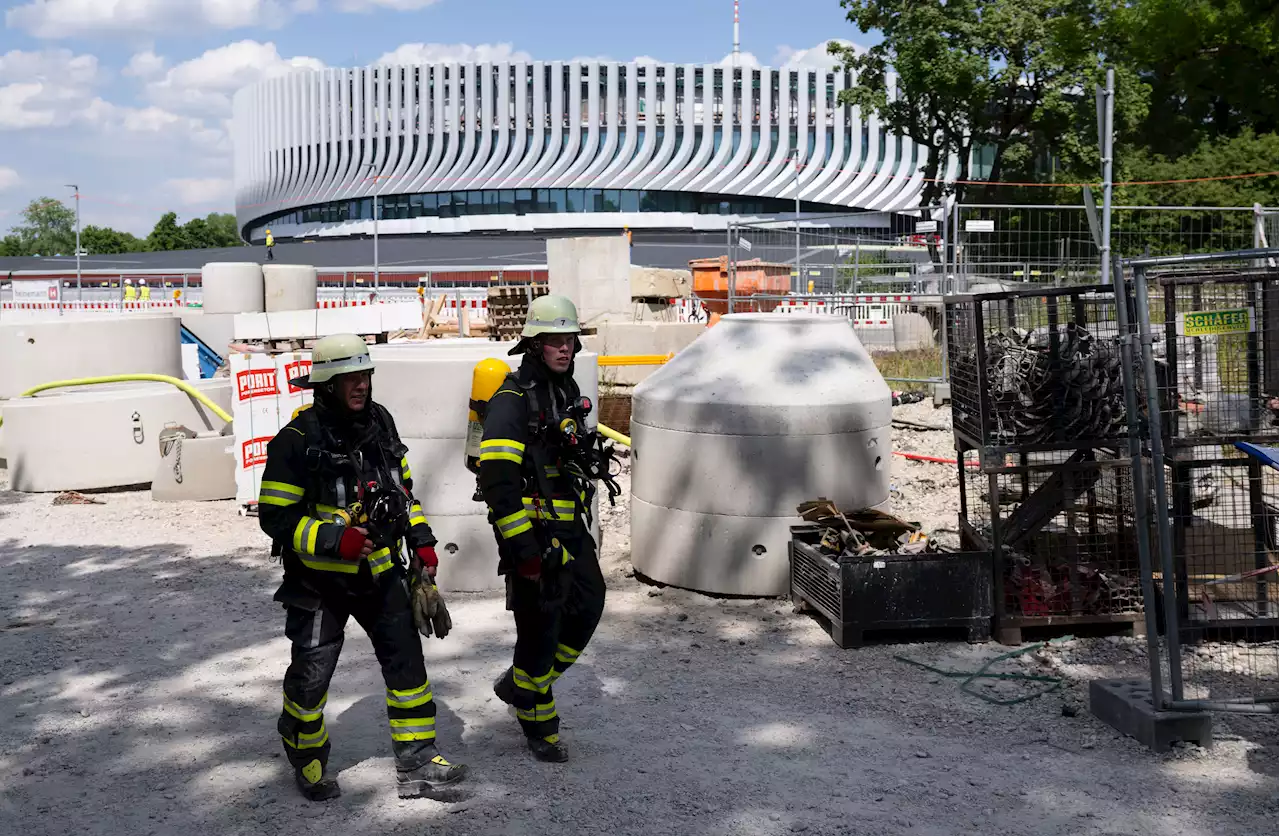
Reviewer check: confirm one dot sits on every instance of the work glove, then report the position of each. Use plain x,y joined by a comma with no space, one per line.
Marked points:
430,615
553,580
354,544
430,562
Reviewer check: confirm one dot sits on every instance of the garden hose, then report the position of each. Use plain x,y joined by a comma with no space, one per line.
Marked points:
1052,683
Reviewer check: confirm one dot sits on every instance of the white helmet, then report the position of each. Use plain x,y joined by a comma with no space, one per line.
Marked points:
128,281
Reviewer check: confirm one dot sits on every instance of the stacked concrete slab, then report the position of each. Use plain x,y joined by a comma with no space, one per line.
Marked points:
759,414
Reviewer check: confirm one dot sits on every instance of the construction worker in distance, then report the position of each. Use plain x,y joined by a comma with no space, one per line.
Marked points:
271,246
130,293
144,291
539,510
336,499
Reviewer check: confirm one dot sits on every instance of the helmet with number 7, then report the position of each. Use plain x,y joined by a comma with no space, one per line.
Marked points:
550,314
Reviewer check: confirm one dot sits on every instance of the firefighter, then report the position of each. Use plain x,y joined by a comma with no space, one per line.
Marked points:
539,504
336,499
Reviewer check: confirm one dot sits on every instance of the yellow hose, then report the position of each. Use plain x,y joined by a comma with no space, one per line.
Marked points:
614,435
124,378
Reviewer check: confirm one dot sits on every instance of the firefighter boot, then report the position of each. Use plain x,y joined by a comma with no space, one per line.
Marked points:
548,749
314,784
431,779
504,687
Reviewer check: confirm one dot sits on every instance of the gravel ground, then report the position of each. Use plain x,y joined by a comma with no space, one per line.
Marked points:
139,685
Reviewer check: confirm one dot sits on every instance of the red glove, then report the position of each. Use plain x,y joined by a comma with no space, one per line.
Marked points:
354,544
427,554
530,569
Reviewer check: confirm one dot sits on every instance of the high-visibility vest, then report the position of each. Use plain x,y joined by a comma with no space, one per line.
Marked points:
130,293
271,240
144,293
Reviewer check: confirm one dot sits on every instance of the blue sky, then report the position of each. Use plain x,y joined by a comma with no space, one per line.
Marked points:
129,98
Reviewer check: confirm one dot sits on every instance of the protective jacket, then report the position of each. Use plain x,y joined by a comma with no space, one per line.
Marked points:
531,493
317,466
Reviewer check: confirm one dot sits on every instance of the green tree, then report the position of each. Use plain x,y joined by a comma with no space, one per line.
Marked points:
1003,76
224,228
49,228
167,235
197,235
12,245
103,240
1211,65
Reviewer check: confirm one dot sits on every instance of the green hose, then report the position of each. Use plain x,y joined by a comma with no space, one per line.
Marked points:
124,378
1052,683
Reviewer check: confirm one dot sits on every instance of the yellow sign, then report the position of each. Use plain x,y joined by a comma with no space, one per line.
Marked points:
1215,323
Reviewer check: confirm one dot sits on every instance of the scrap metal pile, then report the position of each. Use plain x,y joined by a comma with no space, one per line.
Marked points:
865,533
1042,394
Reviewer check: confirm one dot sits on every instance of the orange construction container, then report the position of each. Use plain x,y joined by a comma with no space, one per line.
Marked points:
711,282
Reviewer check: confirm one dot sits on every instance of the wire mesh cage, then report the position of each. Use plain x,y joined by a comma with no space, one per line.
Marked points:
1220,341
1062,526
1036,369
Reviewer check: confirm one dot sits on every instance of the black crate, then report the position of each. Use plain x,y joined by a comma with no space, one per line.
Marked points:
1061,527
890,593
1036,369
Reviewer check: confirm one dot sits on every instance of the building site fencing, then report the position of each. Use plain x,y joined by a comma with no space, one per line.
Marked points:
1210,330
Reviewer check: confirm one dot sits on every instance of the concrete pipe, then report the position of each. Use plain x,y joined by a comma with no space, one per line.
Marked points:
231,287
103,437
32,353
289,287
759,414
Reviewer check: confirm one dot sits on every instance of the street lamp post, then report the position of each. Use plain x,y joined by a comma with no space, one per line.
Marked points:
376,190
79,289
799,286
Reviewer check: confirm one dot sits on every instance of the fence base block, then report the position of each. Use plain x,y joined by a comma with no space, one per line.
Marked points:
941,394
1126,706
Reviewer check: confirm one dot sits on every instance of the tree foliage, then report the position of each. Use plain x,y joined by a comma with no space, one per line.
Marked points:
49,229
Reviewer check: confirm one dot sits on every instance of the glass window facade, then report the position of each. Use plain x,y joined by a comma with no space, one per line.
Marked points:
542,201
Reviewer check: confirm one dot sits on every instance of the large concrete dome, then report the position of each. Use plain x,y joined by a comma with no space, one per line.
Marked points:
759,414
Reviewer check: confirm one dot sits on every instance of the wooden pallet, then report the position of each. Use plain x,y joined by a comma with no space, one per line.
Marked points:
1010,629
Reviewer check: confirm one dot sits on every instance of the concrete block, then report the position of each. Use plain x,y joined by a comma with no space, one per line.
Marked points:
875,337
660,283
232,287
217,330
941,394
631,338
309,324
441,481
1126,705
32,353
101,436
200,469
468,552
653,310
595,272
289,287
911,332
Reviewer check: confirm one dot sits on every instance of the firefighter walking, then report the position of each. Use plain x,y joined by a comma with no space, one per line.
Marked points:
336,499
539,499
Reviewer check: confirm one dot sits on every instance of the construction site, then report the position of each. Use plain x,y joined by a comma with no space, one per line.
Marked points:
915,536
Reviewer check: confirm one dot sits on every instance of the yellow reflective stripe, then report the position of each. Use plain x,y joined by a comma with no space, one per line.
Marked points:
309,740
544,711
270,495
561,509
532,683
405,472
306,715
421,728
416,517
380,561
567,654
411,698
513,524
552,470
501,449
304,535
284,488
526,715
330,564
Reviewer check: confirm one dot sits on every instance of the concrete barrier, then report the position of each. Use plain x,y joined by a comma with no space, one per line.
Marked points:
595,272
632,338
911,332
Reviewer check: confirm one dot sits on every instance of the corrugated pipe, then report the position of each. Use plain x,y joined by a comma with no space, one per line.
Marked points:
125,378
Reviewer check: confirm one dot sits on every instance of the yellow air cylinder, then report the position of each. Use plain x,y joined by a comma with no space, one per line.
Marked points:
486,378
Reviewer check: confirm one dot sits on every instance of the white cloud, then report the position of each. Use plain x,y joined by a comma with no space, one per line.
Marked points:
145,65
8,178
394,5
69,18
432,53
745,59
48,88
196,191
813,58
204,85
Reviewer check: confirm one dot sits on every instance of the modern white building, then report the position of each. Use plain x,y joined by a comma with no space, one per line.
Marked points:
541,146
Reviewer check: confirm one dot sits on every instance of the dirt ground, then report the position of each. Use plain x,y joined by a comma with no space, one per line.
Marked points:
140,664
